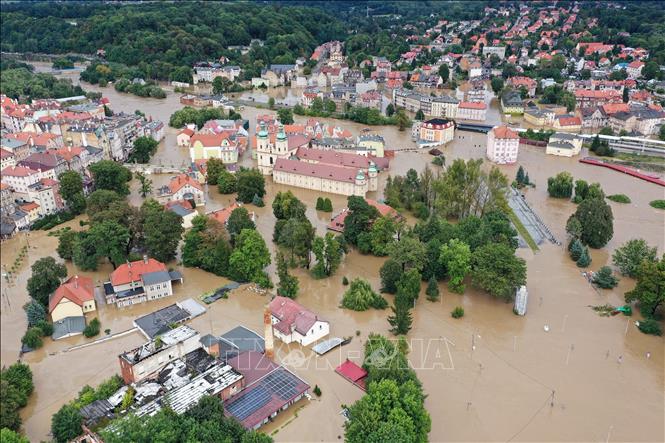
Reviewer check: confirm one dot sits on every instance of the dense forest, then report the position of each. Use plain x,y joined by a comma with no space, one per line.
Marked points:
160,37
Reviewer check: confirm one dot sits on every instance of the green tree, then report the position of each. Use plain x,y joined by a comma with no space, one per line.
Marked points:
162,232
390,411
250,256
66,243
497,85
45,279
359,218
144,149
596,219
649,292
35,312
603,278
250,182
9,436
66,424
585,259
227,183
288,284
496,270
432,290
455,256
409,252
111,176
391,272
285,116
401,320
297,236
420,115
239,220
444,73
382,234
576,250
401,119
361,297
214,167
630,256
561,185
328,252
145,186
71,191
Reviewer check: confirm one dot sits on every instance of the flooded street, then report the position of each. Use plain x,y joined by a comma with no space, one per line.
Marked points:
501,391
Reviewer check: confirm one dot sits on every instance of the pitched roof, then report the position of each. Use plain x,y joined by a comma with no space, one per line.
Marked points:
320,170
76,289
291,314
132,271
181,180
504,132
222,215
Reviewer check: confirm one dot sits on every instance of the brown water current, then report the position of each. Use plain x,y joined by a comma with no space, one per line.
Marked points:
489,376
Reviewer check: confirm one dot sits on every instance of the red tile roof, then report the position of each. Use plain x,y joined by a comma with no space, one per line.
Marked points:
182,180
291,315
320,170
130,272
504,132
76,289
222,215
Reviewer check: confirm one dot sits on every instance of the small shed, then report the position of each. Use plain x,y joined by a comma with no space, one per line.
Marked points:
353,373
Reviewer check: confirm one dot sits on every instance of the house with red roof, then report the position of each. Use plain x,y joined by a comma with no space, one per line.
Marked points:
182,187
140,281
337,222
292,322
74,298
634,69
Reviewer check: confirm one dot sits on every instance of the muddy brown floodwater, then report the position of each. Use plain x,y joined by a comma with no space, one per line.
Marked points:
490,376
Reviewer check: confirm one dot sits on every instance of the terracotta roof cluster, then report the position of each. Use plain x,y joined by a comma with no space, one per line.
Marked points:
76,289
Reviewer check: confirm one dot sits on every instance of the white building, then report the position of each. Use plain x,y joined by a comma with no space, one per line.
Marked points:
293,323
502,145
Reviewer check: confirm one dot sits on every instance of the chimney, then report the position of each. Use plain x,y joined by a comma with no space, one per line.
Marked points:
267,323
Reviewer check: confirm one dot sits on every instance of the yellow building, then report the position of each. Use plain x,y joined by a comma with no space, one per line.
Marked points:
73,298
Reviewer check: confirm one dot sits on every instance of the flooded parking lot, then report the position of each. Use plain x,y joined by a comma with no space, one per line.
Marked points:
490,376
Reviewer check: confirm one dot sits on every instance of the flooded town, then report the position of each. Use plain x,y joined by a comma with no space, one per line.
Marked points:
558,355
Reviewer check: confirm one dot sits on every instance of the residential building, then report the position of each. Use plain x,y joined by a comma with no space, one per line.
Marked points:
278,388
73,298
475,111
527,83
435,132
184,209
139,281
499,51
182,187
502,145
146,360
564,145
294,323
511,103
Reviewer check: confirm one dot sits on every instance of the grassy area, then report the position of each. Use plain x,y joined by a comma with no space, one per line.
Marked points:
521,229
